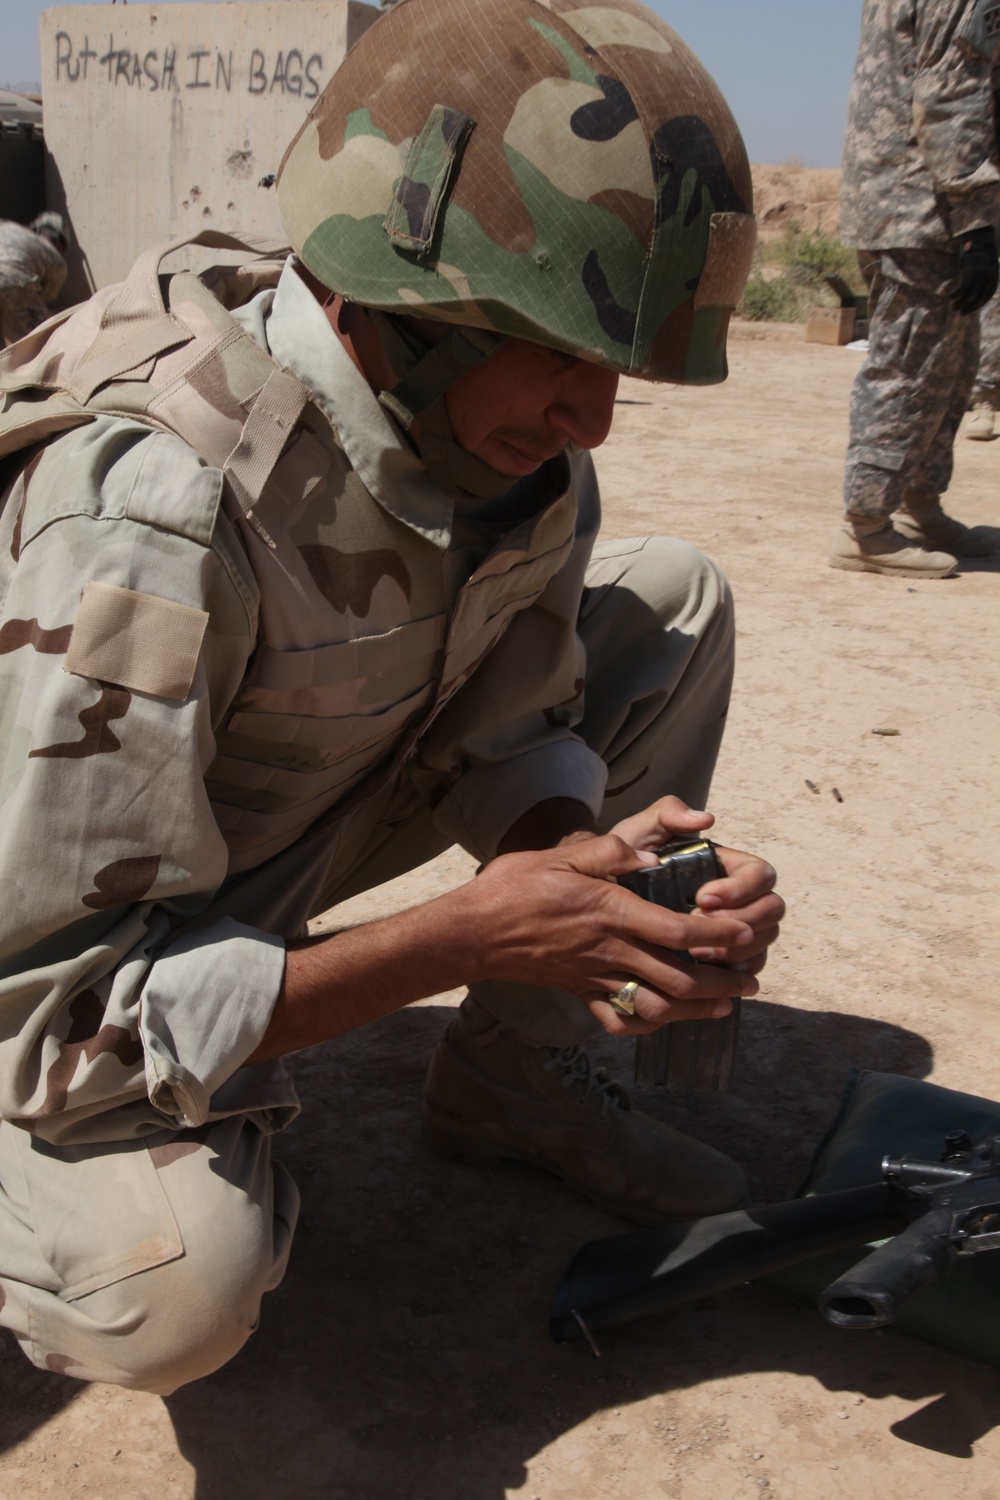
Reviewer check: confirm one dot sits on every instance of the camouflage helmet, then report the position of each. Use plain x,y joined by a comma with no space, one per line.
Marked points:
563,171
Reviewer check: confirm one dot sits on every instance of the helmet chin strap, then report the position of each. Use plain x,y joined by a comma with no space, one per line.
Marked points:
425,373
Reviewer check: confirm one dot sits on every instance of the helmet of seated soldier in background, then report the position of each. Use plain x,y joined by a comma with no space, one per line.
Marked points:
51,227
561,171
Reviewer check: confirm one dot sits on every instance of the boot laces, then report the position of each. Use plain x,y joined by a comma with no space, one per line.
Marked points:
578,1069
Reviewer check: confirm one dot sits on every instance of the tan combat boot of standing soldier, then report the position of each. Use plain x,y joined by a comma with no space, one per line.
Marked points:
923,521
869,544
979,427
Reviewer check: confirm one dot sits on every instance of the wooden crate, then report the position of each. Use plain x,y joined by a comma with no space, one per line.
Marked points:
831,325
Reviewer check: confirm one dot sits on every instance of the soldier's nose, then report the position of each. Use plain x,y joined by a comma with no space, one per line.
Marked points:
585,404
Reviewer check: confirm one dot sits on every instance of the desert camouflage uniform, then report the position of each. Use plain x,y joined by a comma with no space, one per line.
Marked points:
31,275
231,699
919,170
257,658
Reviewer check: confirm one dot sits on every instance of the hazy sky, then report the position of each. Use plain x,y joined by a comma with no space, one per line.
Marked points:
784,65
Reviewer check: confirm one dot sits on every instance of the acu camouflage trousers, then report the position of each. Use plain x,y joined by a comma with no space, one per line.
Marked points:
143,1262
913,388
987,386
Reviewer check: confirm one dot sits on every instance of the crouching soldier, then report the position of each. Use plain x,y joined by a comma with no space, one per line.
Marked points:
302,585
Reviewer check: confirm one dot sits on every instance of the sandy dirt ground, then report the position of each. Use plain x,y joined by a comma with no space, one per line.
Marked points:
406,1356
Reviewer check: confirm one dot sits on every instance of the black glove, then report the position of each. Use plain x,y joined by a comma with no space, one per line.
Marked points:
978,270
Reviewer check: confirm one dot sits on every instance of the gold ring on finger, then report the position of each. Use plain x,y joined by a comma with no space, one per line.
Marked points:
623,1000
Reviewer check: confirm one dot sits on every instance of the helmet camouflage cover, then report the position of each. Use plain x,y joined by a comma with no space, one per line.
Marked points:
562,171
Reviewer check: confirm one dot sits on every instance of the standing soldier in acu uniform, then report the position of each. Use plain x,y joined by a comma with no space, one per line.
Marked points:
301,586
921,195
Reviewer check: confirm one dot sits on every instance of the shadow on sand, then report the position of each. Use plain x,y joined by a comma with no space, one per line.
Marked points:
406,1354
990,535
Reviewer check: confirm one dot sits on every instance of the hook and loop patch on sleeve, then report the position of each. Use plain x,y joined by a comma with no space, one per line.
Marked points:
136,641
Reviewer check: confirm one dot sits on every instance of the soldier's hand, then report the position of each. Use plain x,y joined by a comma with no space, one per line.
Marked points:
747,891
556,918
668,818
978,270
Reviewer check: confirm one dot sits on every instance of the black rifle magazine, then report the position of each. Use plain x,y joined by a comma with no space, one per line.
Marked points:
696,1055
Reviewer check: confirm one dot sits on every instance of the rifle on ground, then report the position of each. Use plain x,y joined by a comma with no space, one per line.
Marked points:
933,1211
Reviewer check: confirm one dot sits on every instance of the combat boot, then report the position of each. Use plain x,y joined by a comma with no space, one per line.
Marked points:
491,1095
979,426
922,520
873,546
